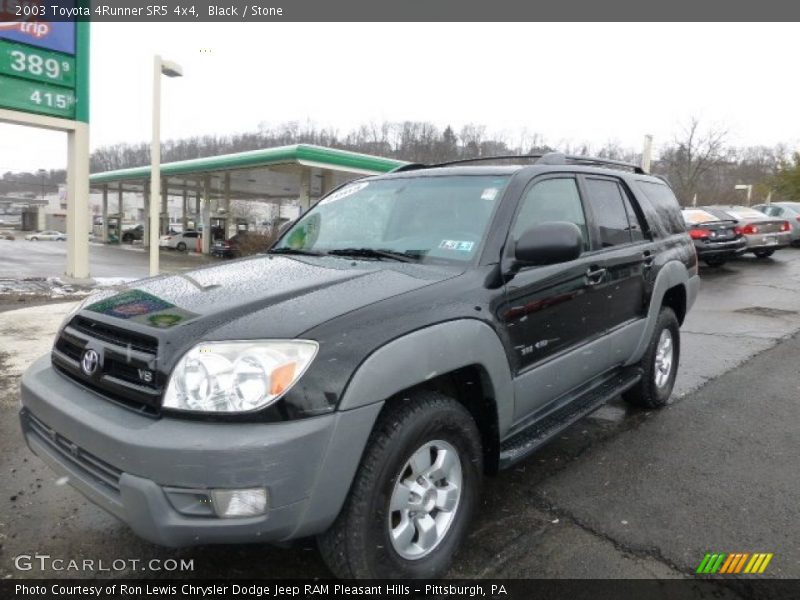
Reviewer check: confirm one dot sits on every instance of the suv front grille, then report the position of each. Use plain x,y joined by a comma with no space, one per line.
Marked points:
126,372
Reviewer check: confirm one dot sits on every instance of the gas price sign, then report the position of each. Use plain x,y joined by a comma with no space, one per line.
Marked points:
39,63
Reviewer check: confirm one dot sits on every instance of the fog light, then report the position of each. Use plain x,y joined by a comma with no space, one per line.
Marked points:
239,503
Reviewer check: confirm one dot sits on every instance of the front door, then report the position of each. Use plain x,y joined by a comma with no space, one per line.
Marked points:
547,309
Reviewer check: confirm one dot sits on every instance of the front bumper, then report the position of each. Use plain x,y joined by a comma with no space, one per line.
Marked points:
133,465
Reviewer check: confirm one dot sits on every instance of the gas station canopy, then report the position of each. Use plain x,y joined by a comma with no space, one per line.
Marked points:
271,173
295,173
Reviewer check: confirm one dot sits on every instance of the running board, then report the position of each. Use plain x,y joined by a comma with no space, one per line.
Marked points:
524,443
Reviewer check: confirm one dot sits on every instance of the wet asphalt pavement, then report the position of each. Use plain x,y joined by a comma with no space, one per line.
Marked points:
622,493
24,259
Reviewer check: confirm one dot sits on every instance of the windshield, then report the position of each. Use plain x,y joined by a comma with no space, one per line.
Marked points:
425,219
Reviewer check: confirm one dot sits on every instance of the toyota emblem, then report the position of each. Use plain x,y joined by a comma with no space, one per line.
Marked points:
89,362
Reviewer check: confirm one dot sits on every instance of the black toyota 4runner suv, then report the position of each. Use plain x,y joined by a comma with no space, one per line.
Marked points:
408,335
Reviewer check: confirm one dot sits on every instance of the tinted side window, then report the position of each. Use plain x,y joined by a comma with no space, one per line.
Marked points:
635,224
551,200
665,205
608,209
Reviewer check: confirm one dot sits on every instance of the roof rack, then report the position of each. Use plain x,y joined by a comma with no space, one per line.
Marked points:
549,158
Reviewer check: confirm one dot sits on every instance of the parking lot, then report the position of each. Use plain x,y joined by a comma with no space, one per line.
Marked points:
22,258
622,493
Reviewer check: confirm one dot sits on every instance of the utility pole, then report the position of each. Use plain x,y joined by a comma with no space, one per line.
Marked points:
748,188
647,152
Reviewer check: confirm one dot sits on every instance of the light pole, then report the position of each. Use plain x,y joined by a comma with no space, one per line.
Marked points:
749,189
170,69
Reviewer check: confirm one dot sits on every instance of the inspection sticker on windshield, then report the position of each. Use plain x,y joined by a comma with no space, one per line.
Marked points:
344,192
489,194
457,245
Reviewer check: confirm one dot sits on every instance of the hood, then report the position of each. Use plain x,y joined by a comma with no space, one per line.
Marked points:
259,297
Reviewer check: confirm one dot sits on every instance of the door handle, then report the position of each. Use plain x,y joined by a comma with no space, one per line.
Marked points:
648,258
595,276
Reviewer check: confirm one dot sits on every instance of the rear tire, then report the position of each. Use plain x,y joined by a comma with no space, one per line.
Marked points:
659,364
420,535
181,247
763,253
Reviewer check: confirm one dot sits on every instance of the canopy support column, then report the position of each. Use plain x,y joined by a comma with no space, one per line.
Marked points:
197,219
185,208
327,182
121,211
146,236
305,189
105,214
164,220
206,214
227,206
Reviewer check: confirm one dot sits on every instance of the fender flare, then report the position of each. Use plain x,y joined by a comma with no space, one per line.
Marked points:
671,274
426,353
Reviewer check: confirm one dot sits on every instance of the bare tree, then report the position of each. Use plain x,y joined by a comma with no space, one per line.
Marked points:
690,162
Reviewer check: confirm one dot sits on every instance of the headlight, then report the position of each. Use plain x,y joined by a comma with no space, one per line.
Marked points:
234,377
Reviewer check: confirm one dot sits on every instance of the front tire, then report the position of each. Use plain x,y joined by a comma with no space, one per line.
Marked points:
413,496
763,253
659,364
181,247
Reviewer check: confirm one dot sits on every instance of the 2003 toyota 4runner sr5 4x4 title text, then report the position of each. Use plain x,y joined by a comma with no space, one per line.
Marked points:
409,334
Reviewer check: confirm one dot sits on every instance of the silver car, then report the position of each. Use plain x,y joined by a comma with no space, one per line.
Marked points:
764,234
47,235
789,211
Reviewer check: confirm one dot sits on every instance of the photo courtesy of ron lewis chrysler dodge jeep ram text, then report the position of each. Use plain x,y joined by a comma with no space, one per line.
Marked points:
408,335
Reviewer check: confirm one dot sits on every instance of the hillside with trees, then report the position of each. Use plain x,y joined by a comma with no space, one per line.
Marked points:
698,161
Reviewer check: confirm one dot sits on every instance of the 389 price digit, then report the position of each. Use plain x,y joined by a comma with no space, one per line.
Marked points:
37,65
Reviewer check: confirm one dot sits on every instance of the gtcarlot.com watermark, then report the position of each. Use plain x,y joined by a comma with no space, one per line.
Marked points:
45,562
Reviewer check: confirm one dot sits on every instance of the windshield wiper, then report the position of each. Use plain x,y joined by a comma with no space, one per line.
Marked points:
374,253
294,251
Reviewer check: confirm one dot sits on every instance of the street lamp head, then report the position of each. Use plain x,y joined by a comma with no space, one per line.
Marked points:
741,187
171,69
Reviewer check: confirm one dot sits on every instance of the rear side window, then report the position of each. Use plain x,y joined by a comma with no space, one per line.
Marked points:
610,212
665,204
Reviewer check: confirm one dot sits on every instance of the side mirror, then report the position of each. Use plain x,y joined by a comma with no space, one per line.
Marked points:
548,244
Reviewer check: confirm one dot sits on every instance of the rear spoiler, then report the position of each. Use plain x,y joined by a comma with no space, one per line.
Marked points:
734,221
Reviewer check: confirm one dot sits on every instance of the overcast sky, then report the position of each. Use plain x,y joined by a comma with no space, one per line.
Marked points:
577,82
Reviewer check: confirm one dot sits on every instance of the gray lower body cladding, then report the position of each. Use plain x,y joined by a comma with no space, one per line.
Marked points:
133,465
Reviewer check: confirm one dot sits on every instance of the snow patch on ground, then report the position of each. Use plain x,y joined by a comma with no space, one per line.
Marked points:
25,335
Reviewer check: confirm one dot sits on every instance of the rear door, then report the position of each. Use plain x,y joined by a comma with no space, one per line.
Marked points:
623,255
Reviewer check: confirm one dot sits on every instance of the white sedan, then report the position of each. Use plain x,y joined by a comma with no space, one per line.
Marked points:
186,240
49,235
